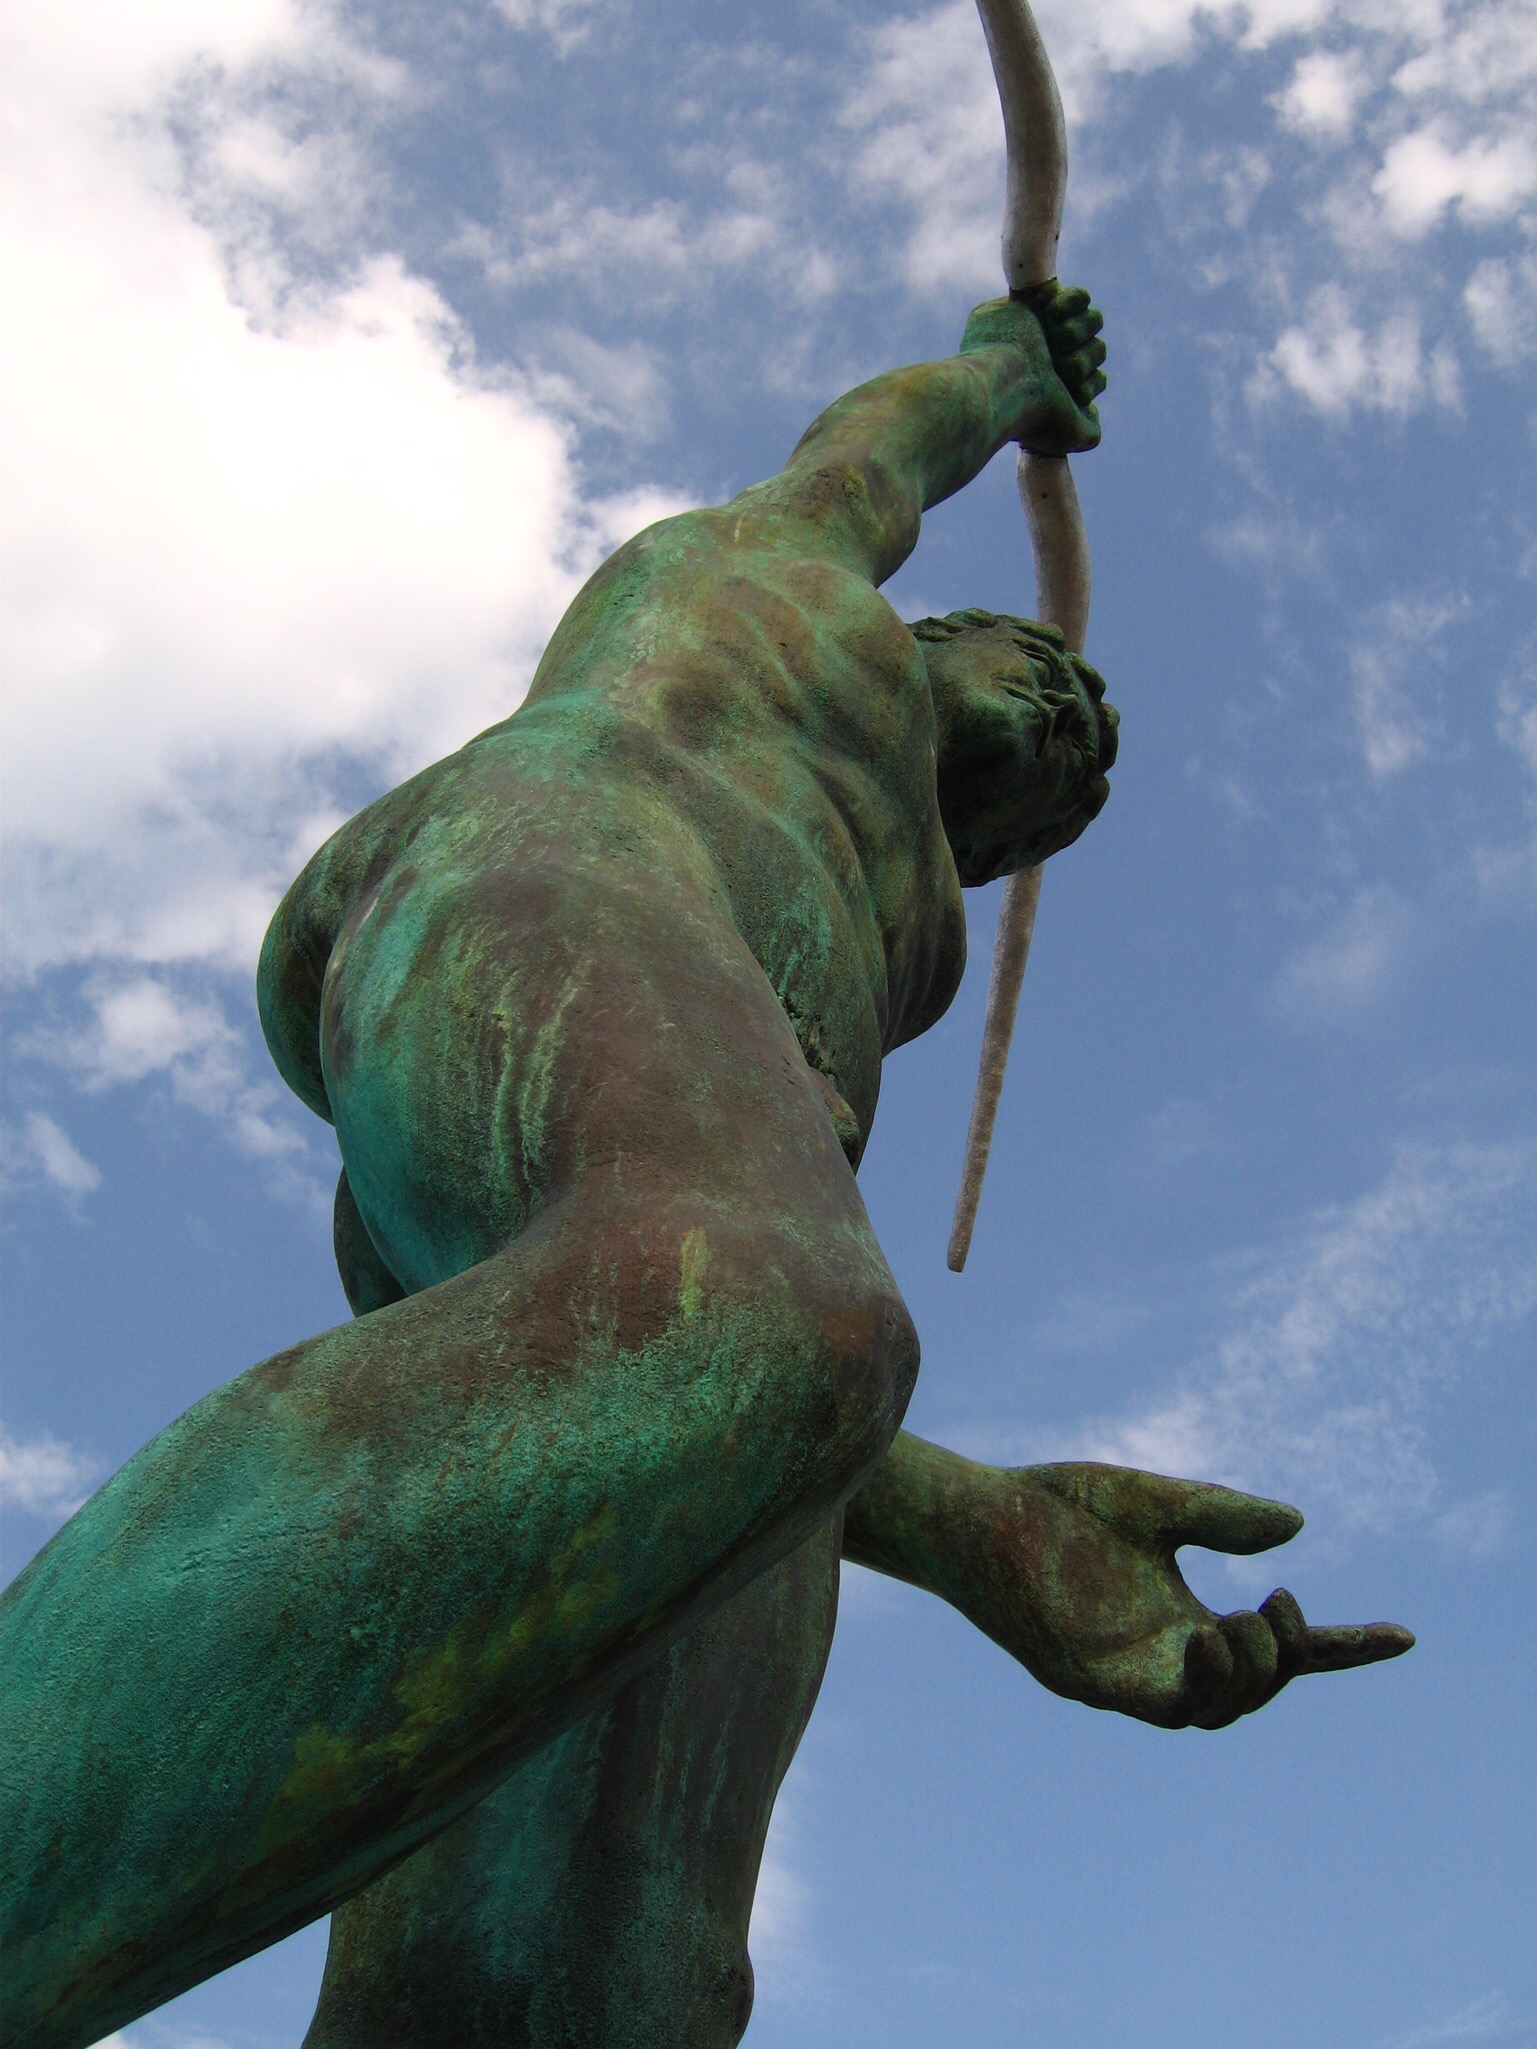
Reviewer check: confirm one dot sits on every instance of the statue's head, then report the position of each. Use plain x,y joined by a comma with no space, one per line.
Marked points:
1025,738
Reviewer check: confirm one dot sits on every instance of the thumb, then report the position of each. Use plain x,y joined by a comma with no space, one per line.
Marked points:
1223,1520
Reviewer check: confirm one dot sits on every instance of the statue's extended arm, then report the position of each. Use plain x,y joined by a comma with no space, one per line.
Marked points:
1071,1568
866,470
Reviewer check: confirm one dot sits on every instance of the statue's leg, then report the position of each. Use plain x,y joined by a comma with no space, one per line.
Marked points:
600,1897
322,1614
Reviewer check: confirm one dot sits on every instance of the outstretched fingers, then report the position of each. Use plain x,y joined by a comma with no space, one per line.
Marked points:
1366,1643
1329,1650
1236,1663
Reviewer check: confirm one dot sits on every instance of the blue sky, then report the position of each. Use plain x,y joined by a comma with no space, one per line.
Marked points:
342,342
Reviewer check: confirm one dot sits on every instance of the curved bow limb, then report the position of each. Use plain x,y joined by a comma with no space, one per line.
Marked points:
1035,138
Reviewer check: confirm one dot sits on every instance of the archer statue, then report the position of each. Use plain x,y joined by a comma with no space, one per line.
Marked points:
491,1620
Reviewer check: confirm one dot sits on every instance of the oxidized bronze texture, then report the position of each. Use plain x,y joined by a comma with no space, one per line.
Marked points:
498,1612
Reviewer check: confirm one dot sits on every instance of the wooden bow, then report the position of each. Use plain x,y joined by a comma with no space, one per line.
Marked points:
1035,134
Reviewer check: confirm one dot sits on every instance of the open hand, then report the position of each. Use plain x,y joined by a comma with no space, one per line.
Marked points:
1083,1588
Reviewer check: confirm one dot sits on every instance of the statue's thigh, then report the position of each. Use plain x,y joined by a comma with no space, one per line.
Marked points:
600,1898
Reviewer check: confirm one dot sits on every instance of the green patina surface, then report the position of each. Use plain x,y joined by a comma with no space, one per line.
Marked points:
497,1613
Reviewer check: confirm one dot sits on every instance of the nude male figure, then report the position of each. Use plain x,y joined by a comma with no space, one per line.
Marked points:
597,1007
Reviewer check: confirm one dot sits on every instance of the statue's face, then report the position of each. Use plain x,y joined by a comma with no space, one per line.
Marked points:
1025,738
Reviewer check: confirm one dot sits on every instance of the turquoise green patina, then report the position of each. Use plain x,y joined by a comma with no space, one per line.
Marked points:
493,1618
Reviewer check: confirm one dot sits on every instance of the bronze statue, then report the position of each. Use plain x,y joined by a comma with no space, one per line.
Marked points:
491,1619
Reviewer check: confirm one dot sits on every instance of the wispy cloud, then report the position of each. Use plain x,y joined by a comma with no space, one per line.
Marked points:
1333,1355
565,22
1476,1528
1395,658
652,249
1518,715
44,1476
145,1026
1337,363
1389,128
1501,298
782,1940
927,134
40,1148
1485,2020
1339,973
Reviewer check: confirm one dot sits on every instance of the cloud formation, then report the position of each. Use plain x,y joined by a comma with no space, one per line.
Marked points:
147,1028
1351,963
40,1148
289,530
1392,126
782,1937
1486,2019
1334,1355
45,1477
266,527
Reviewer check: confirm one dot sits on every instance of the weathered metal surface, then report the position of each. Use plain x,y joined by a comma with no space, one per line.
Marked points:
582,1001
492,1620
602,1894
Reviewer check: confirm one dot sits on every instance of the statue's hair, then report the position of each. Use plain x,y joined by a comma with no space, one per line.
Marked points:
1030,634
1033,637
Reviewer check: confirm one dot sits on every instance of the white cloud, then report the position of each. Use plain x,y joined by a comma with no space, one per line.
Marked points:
240,548
1483,55
1324,1386
1501,298
1424,174
146,1027
45,1477
1335,364
782,1939
1352,963
1394,661
1321,97
45,1147
142,1028
1485,2020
